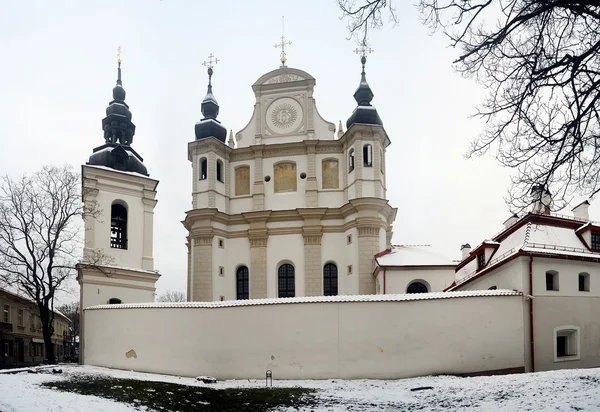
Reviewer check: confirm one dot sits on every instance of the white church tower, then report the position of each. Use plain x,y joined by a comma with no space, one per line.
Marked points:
118,265
287,208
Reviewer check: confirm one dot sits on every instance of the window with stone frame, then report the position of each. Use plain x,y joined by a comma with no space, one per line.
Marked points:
220,171
596,241
330,280
552,280
368,155
286,280
6,314
242,278
203,168
583,280
350,160
567,345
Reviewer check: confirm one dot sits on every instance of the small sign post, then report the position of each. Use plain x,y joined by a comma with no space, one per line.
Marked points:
269,379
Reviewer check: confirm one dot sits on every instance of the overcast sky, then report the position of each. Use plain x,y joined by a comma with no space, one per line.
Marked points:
59,68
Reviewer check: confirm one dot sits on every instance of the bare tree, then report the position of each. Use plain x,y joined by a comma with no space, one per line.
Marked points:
172,296
40,237
540,62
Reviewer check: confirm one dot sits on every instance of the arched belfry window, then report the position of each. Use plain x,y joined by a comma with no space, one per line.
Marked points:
118,226
203,168
350,160
330,280
286,281
417,287
368,155
242,283
219,171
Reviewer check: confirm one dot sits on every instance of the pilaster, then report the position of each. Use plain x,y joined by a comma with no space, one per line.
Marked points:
368,245
148,230
312,231
358,167
212,179
311,177
203,278
258,191
258,236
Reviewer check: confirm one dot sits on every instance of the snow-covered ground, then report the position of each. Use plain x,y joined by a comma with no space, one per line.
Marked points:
569,390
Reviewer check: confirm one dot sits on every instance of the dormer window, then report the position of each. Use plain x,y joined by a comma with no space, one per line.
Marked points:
480,260
596,241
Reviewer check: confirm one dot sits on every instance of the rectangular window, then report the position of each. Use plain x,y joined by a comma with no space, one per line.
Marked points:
20,318
221,243
480,260
552,280
584,282
596,241
567,344
31,321
221,271
349,239
6,314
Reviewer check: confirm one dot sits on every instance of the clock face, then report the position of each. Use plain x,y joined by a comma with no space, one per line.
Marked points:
284,115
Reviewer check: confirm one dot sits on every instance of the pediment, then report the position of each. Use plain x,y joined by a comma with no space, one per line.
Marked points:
283,75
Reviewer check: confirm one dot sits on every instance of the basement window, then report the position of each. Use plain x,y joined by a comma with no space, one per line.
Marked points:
552,280
566,343
584,282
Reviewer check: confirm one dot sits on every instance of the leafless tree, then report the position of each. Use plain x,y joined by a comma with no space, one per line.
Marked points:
540,62
172,296
40,237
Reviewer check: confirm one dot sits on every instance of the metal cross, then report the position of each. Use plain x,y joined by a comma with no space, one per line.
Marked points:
212,60
363,49
282,44
119,55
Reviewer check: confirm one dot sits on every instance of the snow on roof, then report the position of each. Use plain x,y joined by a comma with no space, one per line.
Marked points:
414,255
27,299
316,299
117,171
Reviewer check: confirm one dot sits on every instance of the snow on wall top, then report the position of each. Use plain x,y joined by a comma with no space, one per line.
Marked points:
414,255
316,299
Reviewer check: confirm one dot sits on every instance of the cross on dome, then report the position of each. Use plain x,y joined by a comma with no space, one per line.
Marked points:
362,51
282,44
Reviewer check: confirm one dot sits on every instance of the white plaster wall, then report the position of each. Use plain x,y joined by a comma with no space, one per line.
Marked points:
288,249
93,294
351,281
512,275
333,250
241,204
286,200
568,271
379,340
132,256
235,254
397,279
332,198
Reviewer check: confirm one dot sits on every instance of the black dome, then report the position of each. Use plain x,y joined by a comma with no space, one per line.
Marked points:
364,112
118,157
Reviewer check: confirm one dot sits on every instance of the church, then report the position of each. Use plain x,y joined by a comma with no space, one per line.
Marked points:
290,221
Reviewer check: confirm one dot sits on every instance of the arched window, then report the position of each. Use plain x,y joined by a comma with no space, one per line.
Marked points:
584,282
203,168
242,283
118,226
368,155
286,281
114,301
219,170
330,280
350,160
552,280
417,287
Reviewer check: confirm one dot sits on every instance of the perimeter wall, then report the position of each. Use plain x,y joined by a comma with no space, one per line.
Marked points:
348,340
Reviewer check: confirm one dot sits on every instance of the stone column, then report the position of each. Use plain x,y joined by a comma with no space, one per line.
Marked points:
368,245
258,191
311,175
203,277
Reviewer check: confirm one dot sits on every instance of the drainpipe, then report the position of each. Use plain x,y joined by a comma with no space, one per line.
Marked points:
384,269
531,312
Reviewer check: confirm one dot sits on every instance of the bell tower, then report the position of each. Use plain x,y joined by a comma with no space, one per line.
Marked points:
118,264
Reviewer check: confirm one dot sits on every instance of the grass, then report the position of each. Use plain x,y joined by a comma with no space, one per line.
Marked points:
161,396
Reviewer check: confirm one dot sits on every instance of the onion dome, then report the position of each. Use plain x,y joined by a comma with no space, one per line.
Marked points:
364,112
209,126
117,153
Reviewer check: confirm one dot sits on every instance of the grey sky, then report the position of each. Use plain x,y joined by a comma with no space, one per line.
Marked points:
60,66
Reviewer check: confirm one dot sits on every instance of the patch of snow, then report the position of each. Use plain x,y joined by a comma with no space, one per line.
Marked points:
118,171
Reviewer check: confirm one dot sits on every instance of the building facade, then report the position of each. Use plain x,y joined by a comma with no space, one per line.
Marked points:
287,207
555,260
21,339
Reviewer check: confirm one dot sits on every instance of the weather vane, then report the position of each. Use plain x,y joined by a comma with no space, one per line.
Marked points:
282,44
362,51
119,55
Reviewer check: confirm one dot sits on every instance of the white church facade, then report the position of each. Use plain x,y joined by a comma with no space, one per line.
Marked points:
290,220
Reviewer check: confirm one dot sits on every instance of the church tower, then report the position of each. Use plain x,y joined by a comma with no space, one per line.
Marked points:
287,208
118,265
